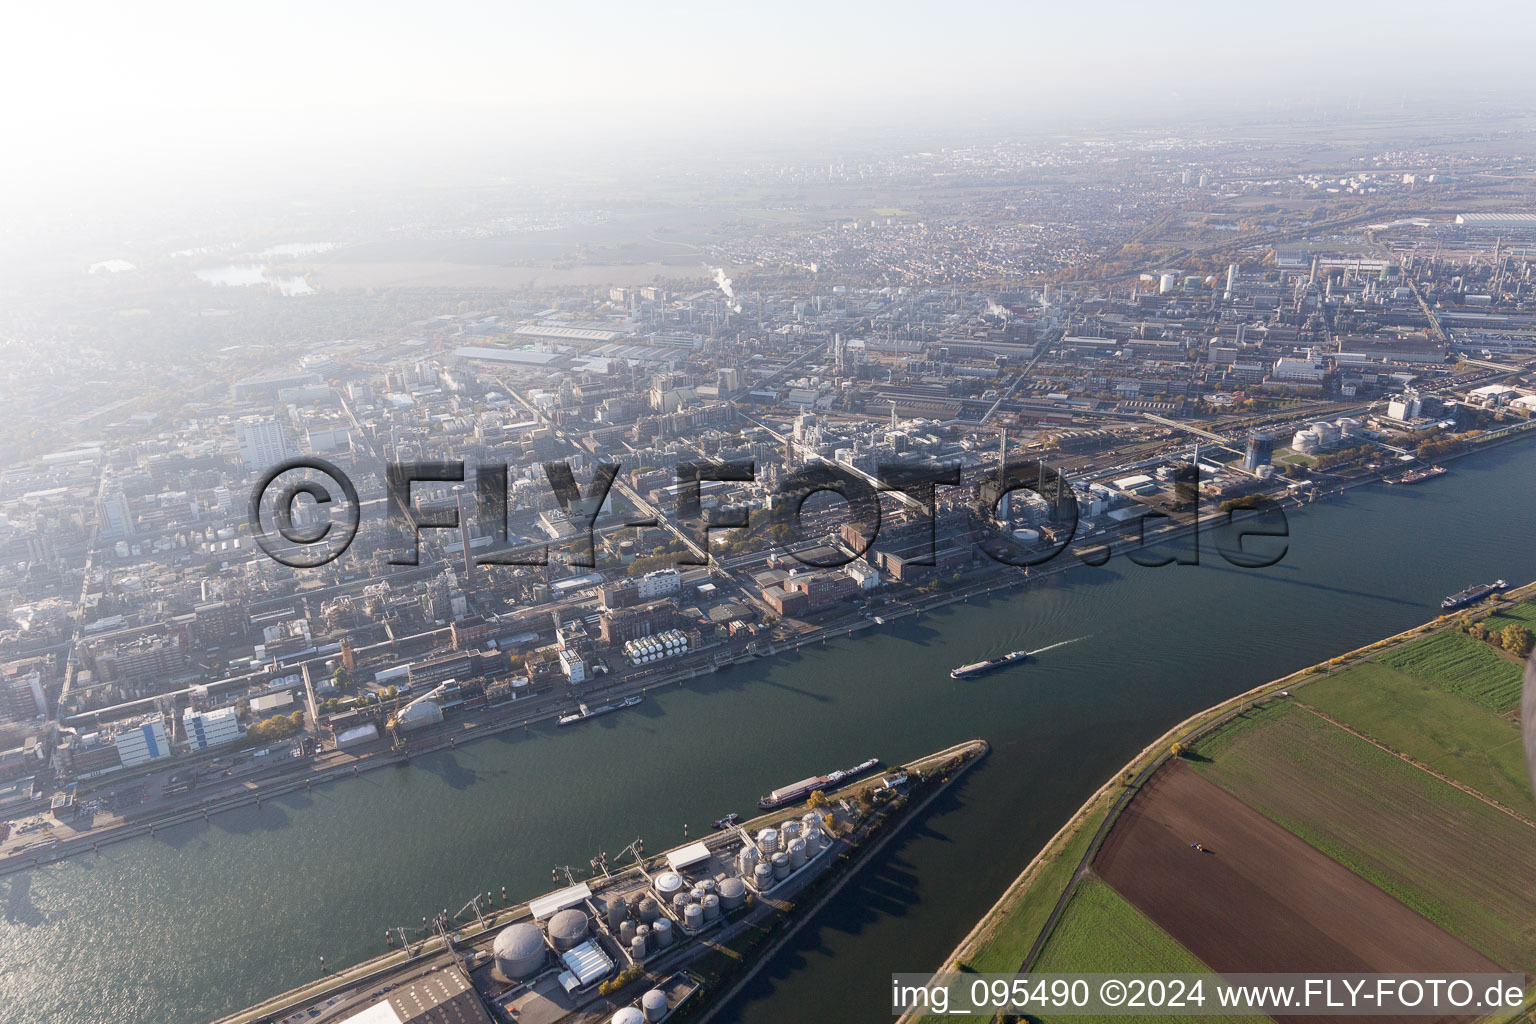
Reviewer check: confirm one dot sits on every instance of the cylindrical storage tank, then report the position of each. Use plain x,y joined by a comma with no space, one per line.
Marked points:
797,854
628,1015
810,822
693,917
789,831
762,877
679,901
648,911
637,947
519,951
618,913
780,866
662,933
812,844
627,931
733,893
768,841
653,1005
696,894
667,883
568,929
643,936
711,907
707,885
746,860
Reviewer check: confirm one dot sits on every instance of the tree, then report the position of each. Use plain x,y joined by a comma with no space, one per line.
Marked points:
1516,639
817,800
342,678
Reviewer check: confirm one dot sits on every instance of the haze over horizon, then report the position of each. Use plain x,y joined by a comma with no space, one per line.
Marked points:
130,105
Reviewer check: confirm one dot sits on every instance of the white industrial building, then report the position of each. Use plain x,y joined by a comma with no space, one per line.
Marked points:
143,742
262,444
206,729
661,583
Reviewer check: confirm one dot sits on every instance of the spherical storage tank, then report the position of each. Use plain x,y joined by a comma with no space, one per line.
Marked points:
628,1015
519,951
733,893
653,1005
568,929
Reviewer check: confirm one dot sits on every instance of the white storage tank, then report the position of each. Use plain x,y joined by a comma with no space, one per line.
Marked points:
628,1015
746,860
733,893
762,877
661,933
768,841
618,913
693,917
667,883
627,931
789,831
797,854
711,905
780,866
653,1005
637,948
648,911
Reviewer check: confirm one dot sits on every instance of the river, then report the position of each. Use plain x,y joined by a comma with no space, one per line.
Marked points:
202,919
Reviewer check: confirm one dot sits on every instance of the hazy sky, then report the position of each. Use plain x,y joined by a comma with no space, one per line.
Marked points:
99,92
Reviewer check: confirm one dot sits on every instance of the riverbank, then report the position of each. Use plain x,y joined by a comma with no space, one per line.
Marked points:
996,943
784,914
305,776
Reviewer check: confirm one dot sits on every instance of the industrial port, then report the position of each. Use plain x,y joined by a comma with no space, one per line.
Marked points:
658,937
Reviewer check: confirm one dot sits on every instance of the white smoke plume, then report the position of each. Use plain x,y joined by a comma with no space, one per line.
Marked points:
997,310
724,282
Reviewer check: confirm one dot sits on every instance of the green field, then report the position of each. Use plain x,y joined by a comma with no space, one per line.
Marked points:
1100,931
1462,665
1016,932
1448,855
1523,614
1453,735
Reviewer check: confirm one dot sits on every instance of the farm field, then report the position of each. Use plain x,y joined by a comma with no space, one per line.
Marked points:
1466,667
1100,931
1261,898
1453,735
1524,614
1459,862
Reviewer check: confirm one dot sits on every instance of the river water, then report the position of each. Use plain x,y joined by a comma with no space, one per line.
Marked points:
200,920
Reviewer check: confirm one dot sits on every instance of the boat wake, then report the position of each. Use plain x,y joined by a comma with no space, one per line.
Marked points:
1052,647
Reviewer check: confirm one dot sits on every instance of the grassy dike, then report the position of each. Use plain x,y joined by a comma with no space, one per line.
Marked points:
1012,934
